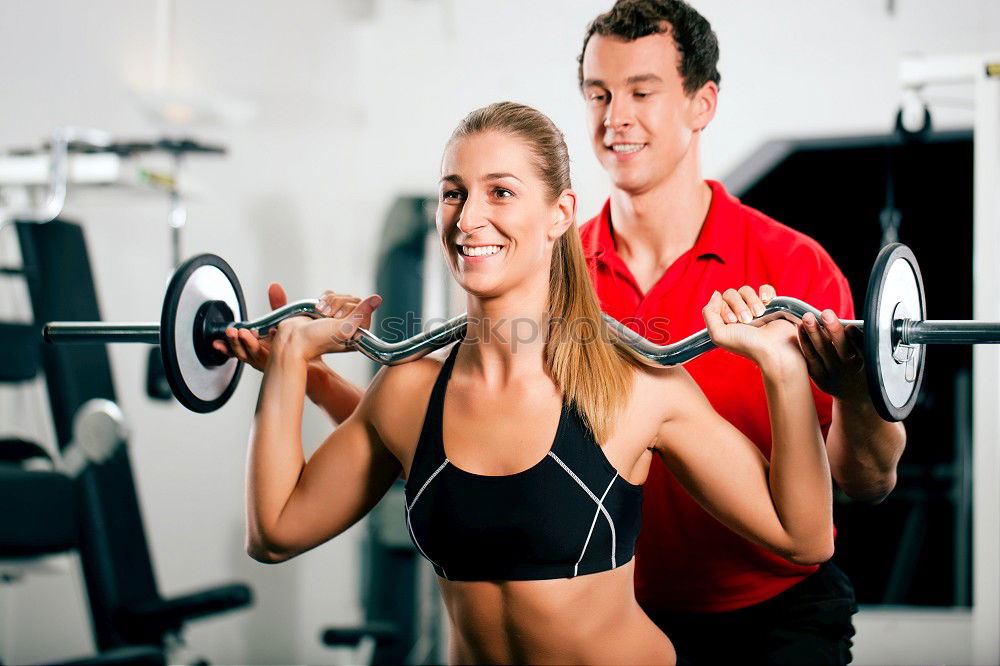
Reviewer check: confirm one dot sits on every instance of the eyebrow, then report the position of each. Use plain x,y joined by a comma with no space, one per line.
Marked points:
454,178
638,78
495,176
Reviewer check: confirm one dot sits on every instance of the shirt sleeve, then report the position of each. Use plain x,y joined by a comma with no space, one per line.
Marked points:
810,274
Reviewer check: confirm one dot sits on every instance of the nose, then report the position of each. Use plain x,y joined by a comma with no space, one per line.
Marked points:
619,114
472,217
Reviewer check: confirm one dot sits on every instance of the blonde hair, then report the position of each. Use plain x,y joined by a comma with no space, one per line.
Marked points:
591,368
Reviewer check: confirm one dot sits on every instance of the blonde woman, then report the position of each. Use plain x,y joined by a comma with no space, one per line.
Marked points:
524,455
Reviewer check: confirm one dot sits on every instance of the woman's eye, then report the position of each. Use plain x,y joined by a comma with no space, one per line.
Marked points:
502,193
451,195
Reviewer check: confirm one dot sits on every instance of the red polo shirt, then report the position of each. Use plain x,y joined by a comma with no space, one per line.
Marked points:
686,560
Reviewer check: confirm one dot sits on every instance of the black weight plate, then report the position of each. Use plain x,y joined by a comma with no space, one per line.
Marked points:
201,278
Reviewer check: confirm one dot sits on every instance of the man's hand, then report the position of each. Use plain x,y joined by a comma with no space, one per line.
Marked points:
244,344
835,356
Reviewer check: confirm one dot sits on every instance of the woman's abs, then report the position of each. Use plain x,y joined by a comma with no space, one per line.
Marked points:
590,619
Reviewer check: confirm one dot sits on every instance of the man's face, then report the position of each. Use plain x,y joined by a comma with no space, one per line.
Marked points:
641,120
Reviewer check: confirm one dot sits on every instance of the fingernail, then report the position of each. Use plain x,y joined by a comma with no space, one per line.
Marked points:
746,317
731,318
828,317
758,310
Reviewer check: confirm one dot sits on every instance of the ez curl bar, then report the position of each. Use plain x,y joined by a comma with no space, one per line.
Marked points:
204,296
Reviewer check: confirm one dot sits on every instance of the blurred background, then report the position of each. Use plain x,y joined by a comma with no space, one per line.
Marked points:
314,131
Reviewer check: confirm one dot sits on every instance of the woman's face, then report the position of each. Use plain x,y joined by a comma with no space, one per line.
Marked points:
495,216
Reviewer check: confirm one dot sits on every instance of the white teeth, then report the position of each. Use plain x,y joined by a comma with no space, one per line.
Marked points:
627,147
480,250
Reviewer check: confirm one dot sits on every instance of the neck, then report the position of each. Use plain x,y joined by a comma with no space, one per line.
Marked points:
664,220
507,333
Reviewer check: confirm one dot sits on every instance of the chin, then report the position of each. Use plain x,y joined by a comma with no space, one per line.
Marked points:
624,176
480,288
629,182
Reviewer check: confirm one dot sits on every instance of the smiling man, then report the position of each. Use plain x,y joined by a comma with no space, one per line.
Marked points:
663,242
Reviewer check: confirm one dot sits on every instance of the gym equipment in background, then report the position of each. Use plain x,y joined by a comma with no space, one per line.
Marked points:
82,156
940,199
126,606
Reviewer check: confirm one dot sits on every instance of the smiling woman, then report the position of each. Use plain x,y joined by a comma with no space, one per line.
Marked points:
524,455
592,371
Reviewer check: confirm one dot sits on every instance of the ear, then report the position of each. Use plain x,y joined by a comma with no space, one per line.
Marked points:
565,214
703,104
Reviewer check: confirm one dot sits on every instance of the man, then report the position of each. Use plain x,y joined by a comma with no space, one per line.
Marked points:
664,241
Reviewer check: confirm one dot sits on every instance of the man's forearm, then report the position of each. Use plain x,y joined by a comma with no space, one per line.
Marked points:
864,450
331,392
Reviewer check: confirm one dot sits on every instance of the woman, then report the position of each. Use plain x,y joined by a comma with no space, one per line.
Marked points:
525,446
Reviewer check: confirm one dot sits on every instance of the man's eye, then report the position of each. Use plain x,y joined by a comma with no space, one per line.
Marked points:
641,94
596,97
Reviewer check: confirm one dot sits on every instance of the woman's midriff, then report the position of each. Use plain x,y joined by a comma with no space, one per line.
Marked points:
592,619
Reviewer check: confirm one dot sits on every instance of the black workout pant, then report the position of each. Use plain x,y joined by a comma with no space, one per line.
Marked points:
809,623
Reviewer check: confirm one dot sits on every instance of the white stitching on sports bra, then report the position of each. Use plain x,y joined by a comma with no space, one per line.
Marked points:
600,506
597,512
429,479
410,525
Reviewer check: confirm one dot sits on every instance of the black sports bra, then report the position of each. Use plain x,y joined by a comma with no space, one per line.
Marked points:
569,514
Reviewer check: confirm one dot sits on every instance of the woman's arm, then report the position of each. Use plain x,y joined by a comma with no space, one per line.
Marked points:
331,392
293,505
784,506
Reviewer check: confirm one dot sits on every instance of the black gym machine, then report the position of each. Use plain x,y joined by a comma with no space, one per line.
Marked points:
95,512
853,194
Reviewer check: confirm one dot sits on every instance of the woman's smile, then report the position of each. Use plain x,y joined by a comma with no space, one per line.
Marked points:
478,254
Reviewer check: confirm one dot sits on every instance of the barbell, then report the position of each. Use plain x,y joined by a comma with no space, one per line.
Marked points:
204,296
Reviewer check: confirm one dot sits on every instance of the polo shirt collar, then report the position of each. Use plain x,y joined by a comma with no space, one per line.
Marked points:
717,239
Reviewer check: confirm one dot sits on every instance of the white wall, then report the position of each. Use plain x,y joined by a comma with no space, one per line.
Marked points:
354,101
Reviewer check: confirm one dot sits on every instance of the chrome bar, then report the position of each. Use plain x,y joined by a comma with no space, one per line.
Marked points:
679,352
380,351
99,332
682,351
261,325
394,353
948,332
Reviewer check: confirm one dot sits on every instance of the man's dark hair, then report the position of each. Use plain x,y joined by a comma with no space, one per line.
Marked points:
631,19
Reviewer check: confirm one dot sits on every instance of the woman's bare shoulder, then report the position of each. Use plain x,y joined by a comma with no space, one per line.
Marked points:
664,389
399,392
